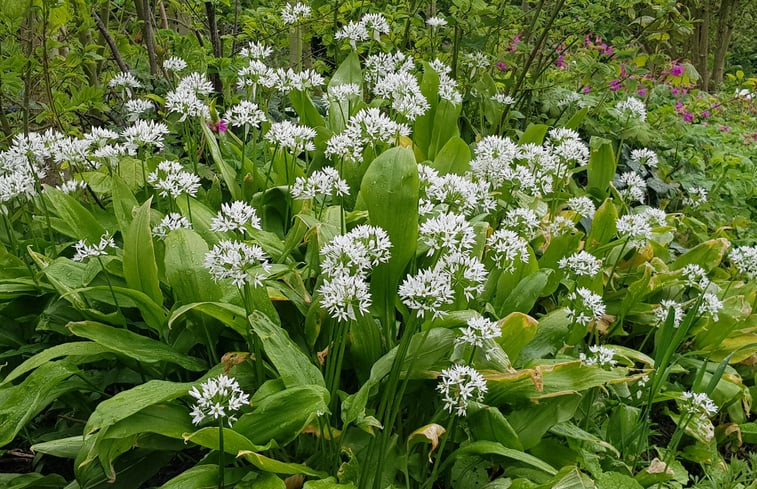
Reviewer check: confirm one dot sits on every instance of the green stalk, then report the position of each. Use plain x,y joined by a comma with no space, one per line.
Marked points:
110,286
437,461
221,455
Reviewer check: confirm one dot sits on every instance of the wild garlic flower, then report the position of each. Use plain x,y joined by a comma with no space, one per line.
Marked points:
697,196
175,64
379,65
287,80
507,248
559,135
494,160
571,150
254,73
523,221
371,126
710,305
581,264
402,89
503,99
427,292
344,91
356,252
459,385
170,222
218,398
322,183
72,186
185,101
84,250
635,228
632,107
170,178
655,217
126,81
447,233
478,331
699,403
196,83
645,156
436,21
448,88
354,32
294,13
632,187
695,276
583,206
136,107
466,273
235,216
377,24
345,145
144,133
559,226
600,356
255,50
744,258
476,61
245,113
569,99
343,295
111,151
459,194
586,306
238,261
663,309
294,137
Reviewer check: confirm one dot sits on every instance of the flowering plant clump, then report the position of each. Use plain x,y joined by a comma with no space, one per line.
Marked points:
414,245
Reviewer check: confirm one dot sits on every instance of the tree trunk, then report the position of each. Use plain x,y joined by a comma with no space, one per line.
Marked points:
726,20
144,12
215,42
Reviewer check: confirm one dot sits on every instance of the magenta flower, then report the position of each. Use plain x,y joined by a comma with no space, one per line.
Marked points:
514,43
501,66
642,92
688,117
587,89
615,85
676,70
560,62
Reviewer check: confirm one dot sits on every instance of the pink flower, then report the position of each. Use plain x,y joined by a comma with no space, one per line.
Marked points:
724,128
642,92
674,91
705,114
587,89
219,126
514,44
676,70
688,117
560,62
501,66
615,85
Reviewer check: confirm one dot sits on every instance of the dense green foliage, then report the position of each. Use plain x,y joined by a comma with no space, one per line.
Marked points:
374,244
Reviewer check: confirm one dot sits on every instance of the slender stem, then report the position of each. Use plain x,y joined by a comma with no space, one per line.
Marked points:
110,285
437,461
221,454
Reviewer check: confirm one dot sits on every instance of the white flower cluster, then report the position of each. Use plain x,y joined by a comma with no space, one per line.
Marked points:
402,89
175,64
427,292
507,248
379,65
170,178
238,261
503,99
632,107
662,311
346,261
255,50
136,107
583,206
457,193
144,133
448,89
459,385
321,183
710,305
600,356
291,136
478,332
436,21
185,100
370,24
586,306
581,264
344,91
695,276
699,403
218,398
293,13
245,114
523,221
367,127
84,250
127,81
744,258
235,216
466,273
170,222
645,156
632,187
634,227
447,233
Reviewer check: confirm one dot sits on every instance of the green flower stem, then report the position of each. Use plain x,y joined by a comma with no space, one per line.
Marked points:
437,461
221,455
110,285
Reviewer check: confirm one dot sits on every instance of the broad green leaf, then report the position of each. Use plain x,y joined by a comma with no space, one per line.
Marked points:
534,134
577,119
153,314
488,423
601,169
292,364
603,227
133,345
169,420
423,125
227,172
518,329
569,478
21,403
329,483
484,447
708,255
616,480
124,203
78,351
204,476
185,268
430,433
445,126
233,316
304,107
454,157
140,268
81,222
390,191
270,465
282,416
128,402
532,421
570,430
233,441
62,447
526,293
32,480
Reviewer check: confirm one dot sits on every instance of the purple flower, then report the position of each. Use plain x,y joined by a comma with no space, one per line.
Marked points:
514,43
705,114
501,66
642,92
587,89
615,85
688,117
676,70
560,62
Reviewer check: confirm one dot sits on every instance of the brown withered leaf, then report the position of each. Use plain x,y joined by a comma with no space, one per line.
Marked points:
232,359
430,433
